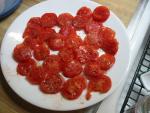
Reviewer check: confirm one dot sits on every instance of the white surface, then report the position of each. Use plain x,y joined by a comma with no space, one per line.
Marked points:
110,105
31,93
145,79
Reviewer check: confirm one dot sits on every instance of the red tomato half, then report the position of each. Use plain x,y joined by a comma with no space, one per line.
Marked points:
57,42
79,22
67,30
72,69
73,87
32,42
65,19
101,13
32,31
24,68
92,25
110,44
93,39
52,64
52,84
36,21
93,71
22,53
41,52
73,41
49,20
85,54
36,75
101,85
84,11
66,55
106,61
46,34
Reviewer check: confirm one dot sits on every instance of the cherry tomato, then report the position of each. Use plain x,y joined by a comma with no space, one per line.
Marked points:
52,64
24,68
110,44
84,11
22,53
92,54
93,71
32,42
36,75
36,21
72,69
81,54
49,20
73,41
101,13
73,87
79,22
85,54
106,32
67,30
46,34
41,52
56,43
32,31
92,25
66,55
52,84
93,39
65,19
106,61
101,85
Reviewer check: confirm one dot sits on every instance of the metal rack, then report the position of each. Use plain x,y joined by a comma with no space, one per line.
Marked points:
136,89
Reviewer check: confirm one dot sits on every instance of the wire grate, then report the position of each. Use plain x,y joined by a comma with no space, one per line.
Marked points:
136,89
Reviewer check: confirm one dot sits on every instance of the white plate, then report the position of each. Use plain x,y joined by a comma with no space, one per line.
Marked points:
31,93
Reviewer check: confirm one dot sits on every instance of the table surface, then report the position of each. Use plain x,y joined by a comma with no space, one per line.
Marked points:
9,101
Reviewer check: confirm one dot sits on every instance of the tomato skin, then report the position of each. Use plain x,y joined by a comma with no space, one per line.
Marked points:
46,34
106,61
52,64
101,13
49,20
31,31
21,53
67,30
72,69
66,55
32,42
57,42
85,54
65,19
73,41
36,21
93,71
93,39
110,44
36,75
79,22
84,11
24,68
101,85
92,25
52,84
41,52
73,87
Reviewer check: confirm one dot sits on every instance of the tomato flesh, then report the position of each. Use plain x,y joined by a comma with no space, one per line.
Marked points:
101,13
